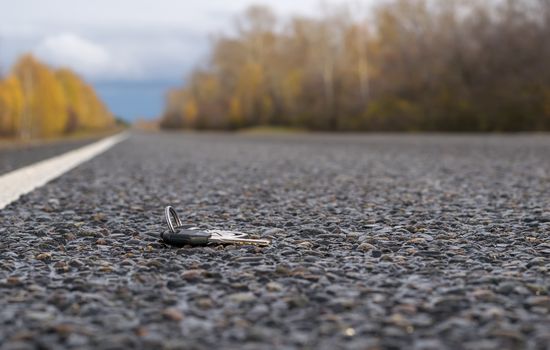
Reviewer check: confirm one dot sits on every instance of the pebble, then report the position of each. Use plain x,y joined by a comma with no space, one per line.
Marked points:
172,314
376,253
242,297
44,256
365,247
193,274
274,287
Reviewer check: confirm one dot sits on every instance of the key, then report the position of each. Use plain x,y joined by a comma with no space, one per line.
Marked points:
180,235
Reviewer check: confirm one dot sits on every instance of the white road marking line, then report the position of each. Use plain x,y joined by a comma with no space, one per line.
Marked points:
24,180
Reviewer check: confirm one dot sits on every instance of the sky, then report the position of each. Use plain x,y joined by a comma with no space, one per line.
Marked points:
132,51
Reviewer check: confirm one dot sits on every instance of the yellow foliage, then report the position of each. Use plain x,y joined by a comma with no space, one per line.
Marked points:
76,107
38,101
547,103
251,78
45,112
98,116
235,111
292,85
208,86
267,106
83,103
190,111
11,106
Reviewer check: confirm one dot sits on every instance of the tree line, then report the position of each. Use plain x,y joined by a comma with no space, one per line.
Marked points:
404,65
38,101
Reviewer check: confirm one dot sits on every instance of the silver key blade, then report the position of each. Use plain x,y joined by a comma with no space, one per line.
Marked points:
240,241
233,237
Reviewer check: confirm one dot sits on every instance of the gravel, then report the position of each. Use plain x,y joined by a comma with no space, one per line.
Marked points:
419,242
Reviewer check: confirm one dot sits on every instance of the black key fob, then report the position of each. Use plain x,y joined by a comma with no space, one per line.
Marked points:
183,237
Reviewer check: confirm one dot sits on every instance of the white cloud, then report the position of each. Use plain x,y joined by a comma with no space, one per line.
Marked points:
84,56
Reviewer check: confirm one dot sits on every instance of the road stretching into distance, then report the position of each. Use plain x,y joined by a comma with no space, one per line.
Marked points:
379,241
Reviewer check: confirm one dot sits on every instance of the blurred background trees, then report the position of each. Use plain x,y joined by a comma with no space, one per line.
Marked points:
37,101
407,65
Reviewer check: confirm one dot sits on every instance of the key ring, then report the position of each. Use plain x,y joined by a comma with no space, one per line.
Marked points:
170,214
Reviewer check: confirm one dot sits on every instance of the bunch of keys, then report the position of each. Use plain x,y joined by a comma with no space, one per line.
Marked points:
181,235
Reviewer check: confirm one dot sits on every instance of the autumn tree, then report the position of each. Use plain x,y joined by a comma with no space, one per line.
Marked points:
84,109
38,101
11,106
44,112
407,65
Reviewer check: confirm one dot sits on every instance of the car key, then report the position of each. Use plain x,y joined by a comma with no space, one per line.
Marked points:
180,235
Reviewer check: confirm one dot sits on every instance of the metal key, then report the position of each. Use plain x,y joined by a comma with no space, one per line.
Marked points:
181,235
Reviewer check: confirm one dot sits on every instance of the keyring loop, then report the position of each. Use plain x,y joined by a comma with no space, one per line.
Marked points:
169,214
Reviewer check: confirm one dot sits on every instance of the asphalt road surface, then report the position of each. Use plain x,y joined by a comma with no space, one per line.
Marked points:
378,242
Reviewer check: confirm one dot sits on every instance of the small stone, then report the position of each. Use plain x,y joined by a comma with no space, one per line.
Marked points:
297,301
274,287
305,244
40,315
386,257
44,256
63,328
14,281
142,331
417,240
365,247
537,289
23,335
398,320
495,312
428,344
542,301
76,340
172,314
313,231
349,332
258,311
106,268
205,303
193,274
61,266
506,288
99,217
273,231
76,263
343,303
282,270
242,297
483,294
353,236
536,261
